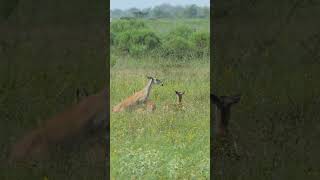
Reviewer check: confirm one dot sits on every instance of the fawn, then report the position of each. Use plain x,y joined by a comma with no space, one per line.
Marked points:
178,105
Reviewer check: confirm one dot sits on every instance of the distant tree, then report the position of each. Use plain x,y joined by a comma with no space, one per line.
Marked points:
191,11
163,11
206,12
131,11
116,13
178,11
140,14
203,12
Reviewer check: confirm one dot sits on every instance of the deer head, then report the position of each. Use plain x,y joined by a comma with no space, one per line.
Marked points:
223,113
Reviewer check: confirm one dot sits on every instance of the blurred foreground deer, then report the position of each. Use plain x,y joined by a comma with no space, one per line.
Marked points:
89,114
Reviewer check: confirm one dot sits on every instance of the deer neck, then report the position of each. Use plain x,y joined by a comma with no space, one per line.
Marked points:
147,90
179,99
222,119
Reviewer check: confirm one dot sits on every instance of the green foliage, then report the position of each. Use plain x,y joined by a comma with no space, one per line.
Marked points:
185,42
177,47
182,31
181,42
125,25
191,11
136,41
201,43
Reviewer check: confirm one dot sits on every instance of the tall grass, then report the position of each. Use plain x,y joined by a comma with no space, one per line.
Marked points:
163,144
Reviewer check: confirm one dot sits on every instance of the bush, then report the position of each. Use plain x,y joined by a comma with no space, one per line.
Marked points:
183,42
137,41
133,37
177,47
201,43
181,31
125,25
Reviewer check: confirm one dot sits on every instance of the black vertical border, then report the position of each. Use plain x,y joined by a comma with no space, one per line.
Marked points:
107,60
212,60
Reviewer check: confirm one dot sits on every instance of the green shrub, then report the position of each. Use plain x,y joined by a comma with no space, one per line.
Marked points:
125,25
177,47
137,41
181,31
184,42
201,42
135,38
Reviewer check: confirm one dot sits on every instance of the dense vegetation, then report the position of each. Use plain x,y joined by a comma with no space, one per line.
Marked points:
137,38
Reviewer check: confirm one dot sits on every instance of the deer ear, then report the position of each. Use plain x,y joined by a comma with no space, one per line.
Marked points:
236,98
85,92
176,92
78,92
149,77
215,99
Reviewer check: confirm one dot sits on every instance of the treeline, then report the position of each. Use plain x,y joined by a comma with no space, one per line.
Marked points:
135,38
164,11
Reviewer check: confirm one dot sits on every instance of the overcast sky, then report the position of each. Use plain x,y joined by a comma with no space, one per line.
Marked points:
126,4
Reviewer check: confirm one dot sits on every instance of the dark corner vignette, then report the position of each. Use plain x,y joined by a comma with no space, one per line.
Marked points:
54,90
265,89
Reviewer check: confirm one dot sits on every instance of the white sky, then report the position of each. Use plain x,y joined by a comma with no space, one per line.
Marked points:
126,4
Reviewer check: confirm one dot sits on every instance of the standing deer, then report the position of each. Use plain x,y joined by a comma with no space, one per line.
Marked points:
87,115
140,97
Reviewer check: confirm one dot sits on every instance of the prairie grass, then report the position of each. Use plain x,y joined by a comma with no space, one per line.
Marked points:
162,144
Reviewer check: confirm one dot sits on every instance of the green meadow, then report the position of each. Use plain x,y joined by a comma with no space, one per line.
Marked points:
164,144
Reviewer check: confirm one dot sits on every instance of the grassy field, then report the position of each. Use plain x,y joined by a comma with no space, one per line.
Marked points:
163,144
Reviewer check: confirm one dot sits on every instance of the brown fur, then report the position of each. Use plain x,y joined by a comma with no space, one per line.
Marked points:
150,106
131,101
91,112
